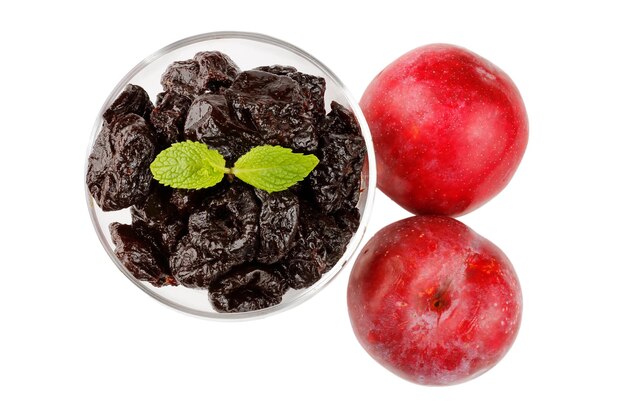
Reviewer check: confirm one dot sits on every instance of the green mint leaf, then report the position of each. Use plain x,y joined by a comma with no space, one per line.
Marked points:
273,168
190,165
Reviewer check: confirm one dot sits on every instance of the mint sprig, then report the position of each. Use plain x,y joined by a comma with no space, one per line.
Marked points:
273,168
192,165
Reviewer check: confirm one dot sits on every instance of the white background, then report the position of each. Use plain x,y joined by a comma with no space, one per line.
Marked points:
78,339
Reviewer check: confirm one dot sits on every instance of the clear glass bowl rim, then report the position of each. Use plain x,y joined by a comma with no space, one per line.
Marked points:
370,186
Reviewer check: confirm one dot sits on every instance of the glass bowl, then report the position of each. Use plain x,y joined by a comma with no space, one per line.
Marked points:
248,50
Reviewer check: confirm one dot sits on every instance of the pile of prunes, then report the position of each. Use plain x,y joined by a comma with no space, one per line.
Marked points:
245,246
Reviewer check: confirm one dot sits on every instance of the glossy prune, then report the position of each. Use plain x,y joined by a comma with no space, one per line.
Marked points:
278,225
187,201
181,77
274,107
320,242
135,248
168,118
133,99
247,288
207,72
313,88
158,215
209,121
118,170
336,180
341,120
305,263
216,70
222,234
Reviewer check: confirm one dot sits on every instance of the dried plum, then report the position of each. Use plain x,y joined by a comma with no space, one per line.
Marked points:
313,88
118,171
168,118
305,263
320,242
247,288
278,225
336,180
208,71
209,121
274,107
341,120
133,99
216,70
181,77
158,215
348,219
135,248
221,234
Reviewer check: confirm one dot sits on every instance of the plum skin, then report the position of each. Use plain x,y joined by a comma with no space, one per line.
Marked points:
433,301
449,129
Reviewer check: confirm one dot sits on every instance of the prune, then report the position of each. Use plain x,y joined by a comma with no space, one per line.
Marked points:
181,77
305,263
247,288
133,99
278,225
336,180
158,215
216,70
209,121
118,171
341,120
187,201
348,219
222,234
208,71
274,107
168,118
336,233
135,248
313,88
320,242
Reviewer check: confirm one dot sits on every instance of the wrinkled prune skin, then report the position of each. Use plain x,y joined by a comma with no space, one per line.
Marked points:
209,71
216,70
247,288
320,242
349,220
133,99
274,107
336,180
278,225
118,170
181,77
168,118
209,121
341,120
305,263
135,248
159,216
313,88
222,234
